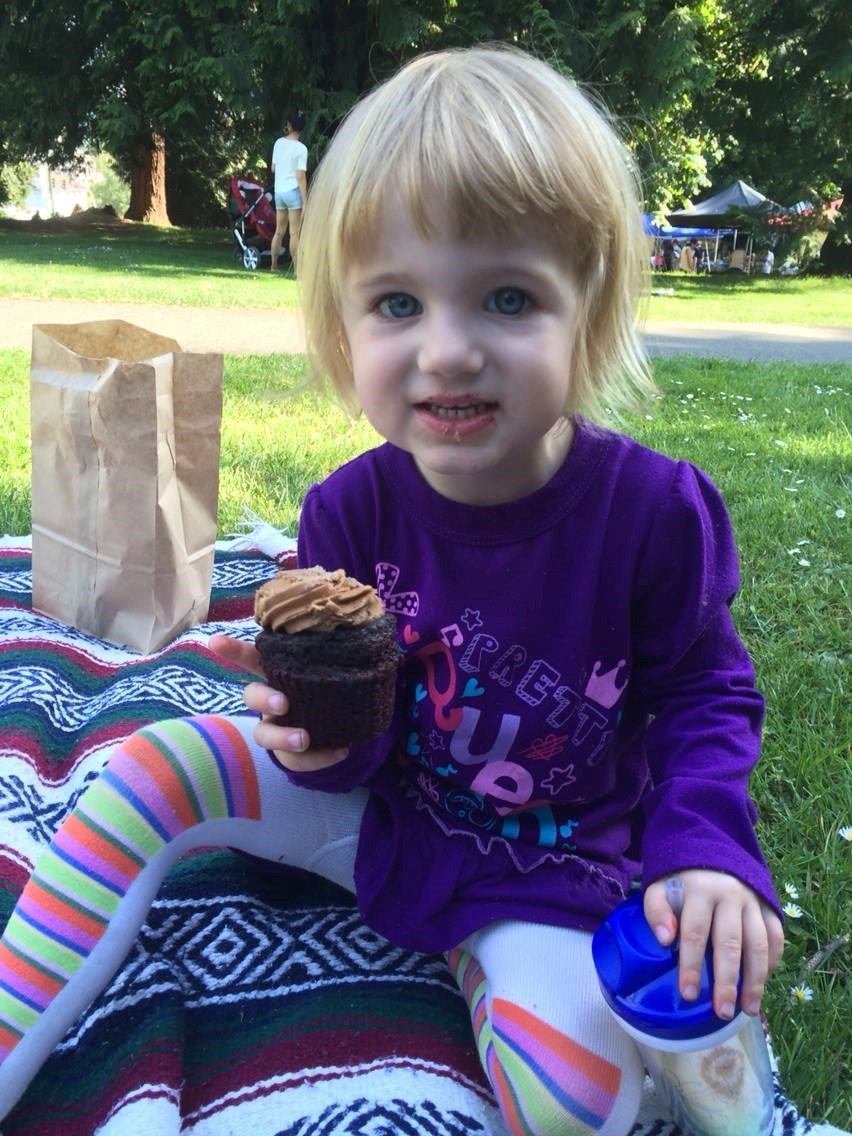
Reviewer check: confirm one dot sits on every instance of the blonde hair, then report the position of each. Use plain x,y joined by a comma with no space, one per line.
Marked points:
501,139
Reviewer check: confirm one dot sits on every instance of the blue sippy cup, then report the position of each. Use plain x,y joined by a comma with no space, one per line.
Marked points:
714,1075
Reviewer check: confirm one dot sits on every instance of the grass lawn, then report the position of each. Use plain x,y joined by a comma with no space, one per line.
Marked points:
732,297
776,440
144,264
137,264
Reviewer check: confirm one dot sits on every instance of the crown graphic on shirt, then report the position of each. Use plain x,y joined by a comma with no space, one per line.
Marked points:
603,688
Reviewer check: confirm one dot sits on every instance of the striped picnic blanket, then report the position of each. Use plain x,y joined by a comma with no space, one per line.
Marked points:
253,1001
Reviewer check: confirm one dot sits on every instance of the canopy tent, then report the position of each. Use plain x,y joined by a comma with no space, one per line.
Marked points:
667,232
715,211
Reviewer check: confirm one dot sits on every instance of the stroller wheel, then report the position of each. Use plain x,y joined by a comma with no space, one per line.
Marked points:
251,258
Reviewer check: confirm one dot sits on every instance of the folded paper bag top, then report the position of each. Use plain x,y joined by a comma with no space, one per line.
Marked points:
125,460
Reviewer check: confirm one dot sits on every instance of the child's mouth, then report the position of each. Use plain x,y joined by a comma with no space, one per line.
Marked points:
458,417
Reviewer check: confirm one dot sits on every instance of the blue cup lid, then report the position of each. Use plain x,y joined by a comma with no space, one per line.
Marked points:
638,977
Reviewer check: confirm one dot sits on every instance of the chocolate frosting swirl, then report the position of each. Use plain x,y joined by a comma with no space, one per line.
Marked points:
312,599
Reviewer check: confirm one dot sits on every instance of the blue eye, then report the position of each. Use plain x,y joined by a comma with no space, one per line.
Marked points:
508,301
398,305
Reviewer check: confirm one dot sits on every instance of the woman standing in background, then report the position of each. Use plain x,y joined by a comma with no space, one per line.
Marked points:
289,167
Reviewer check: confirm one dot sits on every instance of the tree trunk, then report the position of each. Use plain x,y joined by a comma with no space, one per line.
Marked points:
148,183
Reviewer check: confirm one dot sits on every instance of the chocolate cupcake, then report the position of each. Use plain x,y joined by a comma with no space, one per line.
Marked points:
329,646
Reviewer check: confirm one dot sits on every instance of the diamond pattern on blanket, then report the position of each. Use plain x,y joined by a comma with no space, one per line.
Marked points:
385,1118
22,805
235,947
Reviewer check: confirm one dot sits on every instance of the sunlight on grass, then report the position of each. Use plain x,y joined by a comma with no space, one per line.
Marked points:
135,264
731,297
776,439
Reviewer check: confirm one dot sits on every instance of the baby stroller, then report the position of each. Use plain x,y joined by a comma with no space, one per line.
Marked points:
251,206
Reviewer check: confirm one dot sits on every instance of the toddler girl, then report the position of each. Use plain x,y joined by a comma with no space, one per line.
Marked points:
575,709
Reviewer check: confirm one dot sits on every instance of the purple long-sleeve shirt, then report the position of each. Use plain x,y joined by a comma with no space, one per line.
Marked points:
574,708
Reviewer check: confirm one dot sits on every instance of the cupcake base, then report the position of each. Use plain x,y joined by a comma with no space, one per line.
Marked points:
340,685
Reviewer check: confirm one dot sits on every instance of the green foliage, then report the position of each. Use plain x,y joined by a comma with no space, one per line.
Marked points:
16,180
109,187
706,90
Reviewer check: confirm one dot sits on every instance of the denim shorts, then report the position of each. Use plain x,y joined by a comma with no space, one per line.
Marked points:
289,199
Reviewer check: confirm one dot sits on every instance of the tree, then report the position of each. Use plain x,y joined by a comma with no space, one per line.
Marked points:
182,92
123,75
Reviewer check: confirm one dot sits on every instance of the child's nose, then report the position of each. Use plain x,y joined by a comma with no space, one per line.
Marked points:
449,347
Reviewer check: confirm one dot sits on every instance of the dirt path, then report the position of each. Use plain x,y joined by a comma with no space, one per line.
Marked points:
236,331
233,331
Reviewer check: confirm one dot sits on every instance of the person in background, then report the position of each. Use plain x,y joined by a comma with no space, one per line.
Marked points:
289,167
768,262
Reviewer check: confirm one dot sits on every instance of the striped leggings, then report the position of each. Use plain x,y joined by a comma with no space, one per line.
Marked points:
557,1063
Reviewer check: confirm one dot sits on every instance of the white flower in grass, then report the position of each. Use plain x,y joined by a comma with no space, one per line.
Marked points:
804,563
840,514
792,891
845,833
792,910
800,994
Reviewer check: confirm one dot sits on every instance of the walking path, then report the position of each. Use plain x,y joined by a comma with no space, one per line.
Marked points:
236,331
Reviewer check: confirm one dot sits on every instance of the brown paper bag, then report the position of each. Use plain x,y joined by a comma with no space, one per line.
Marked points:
125,480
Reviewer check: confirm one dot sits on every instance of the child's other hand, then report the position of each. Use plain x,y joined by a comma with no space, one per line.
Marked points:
289,744
742,928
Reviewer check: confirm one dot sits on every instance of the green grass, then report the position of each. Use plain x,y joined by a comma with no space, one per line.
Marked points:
775,438
135,264
733,297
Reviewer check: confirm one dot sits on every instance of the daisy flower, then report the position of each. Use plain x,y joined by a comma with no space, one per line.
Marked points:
792,891
792,910
846,832
800,994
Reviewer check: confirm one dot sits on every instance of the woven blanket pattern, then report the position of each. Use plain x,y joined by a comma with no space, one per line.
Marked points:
254,1000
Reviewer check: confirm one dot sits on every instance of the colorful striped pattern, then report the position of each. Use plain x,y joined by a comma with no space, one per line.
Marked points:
159,783
546,1084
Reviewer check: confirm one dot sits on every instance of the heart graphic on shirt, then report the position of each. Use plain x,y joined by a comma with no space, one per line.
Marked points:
409,635
472,689
419,692
412,746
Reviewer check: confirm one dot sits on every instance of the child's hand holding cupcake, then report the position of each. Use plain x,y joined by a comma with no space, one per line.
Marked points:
329,655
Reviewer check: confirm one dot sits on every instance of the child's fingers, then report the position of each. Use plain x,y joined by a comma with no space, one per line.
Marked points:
755,958
236,651
291,745
264,699
763,945
695,922
658,912
727,936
